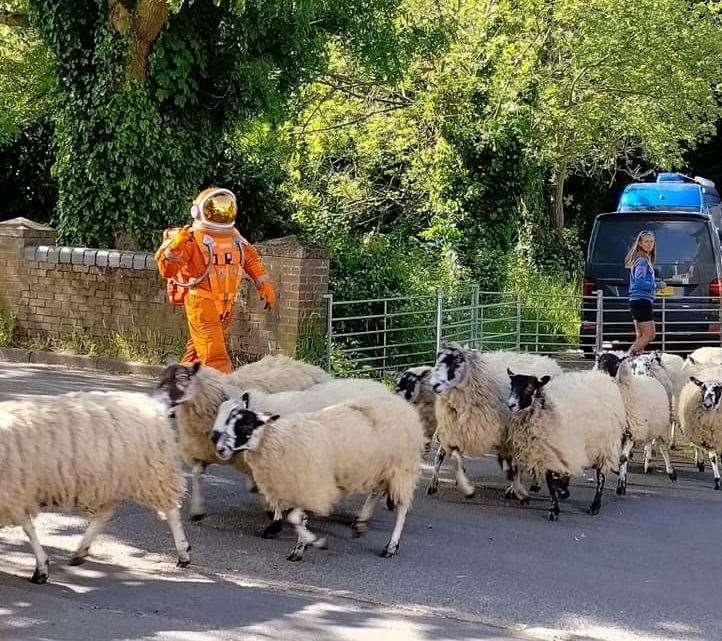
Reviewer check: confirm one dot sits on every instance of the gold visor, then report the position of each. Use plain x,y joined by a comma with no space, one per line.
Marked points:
220,208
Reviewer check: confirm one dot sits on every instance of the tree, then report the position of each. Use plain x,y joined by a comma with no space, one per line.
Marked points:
595,83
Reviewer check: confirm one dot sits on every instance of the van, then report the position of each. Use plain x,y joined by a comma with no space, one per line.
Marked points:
687,310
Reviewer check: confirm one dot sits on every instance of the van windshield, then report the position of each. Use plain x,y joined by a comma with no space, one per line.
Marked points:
684,247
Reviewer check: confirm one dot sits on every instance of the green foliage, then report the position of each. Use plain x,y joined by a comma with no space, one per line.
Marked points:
8,329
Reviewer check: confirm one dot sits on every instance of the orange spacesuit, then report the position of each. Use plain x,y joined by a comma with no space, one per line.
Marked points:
204,264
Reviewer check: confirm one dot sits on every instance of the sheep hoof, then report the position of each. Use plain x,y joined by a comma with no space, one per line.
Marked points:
389,551
594,509
621,488
524,500
390,505
562,494
183,563
553,515
509,493
272,530
321,543
535,488
432,488
40,577
296,555
198,517
716,484
700,466
649,470
358,529
470,495
77,560
673,475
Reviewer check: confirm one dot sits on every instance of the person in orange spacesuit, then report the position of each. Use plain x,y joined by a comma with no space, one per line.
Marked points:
204,263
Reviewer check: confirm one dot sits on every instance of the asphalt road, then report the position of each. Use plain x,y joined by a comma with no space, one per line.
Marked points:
646,568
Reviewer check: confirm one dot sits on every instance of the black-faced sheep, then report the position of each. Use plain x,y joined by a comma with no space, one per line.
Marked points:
414,385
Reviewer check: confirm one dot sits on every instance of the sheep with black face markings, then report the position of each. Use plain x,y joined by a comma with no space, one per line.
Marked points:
307,462
558,428
414,385
195,393
90,451
471,411
700,415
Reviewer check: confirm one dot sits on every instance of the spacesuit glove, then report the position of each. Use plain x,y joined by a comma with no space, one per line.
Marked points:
267,294
181,238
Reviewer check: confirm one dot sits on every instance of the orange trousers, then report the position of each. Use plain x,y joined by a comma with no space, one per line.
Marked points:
208,321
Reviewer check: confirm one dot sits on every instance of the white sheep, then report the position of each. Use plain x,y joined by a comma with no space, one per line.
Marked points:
705,356
471,410
558,428
195,393
700,416
414,385
90,451
309,461
647,411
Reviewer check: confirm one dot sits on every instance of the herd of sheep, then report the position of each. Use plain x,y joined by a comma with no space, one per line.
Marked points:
306,440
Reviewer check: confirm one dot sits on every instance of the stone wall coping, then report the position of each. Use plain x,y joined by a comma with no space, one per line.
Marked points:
26,223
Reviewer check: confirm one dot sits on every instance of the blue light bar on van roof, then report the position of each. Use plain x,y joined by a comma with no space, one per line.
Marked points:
670,177
661,197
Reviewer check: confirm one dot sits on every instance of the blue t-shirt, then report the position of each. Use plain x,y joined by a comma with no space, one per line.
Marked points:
642,282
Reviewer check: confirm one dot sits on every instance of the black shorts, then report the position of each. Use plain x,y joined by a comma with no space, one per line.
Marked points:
641,310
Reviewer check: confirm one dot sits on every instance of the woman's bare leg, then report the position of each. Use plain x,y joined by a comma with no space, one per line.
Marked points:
645,335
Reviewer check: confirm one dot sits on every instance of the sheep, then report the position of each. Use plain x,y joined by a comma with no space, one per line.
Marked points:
308,461
560,428
709,356
91,451
647,411
293,402
700,416
471,411
195,393
414,385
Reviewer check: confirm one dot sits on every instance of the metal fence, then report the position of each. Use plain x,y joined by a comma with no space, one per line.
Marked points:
381,337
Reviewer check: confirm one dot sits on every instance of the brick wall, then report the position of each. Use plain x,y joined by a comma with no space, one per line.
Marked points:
53,291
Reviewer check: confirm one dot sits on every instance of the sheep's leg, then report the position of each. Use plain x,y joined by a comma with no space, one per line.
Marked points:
562,484
597,502
552,486
198,499
299,520
273,529
393,545
648,457
359,526
462,481
179,537
715,469
627,445
671,472
96,527
433,486
699,458
513,474
42,564
390,505
535,483
672,435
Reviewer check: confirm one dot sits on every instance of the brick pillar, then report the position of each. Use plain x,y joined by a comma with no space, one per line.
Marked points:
15,236
300,276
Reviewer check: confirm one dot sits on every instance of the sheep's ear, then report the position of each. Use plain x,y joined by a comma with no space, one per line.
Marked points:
696,381
658,356
624,358
245,400
272,419
691,360
195,367
543,381
510,373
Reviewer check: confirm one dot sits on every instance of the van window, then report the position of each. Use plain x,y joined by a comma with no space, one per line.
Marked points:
684,247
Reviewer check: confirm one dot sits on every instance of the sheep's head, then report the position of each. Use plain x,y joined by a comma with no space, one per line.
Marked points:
410,383
524,389
177,384
608,363
238,428
451,369
711,392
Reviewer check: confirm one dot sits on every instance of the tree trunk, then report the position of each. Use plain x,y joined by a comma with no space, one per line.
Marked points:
558,200
141,27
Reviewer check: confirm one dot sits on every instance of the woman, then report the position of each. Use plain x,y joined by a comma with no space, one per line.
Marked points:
642,283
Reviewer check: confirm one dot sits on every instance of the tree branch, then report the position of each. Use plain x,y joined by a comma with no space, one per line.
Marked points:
14,19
